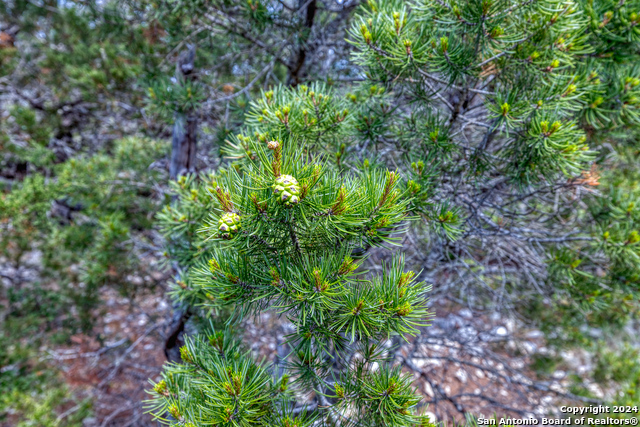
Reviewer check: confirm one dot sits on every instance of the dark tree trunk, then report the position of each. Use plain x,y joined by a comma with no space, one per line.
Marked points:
296,68
184,144
175,339
185,129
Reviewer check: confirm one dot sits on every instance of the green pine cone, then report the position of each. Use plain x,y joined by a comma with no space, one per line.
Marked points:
287,189
229,225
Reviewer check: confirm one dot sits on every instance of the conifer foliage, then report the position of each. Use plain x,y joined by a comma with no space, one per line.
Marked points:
281,235
510,100
496,114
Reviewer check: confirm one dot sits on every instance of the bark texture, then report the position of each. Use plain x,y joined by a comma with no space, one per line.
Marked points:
184,142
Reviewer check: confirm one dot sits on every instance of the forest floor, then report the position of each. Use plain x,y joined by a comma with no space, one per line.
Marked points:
115,375
460,363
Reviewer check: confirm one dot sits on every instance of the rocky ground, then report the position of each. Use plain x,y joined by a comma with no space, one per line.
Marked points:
461,364
115,375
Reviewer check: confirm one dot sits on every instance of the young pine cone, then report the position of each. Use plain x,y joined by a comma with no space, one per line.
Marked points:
229,225
287,189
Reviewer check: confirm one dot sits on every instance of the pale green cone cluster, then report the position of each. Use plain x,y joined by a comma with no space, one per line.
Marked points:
287,189
228,225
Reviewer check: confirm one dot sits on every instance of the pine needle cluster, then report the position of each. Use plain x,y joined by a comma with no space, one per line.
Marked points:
281,234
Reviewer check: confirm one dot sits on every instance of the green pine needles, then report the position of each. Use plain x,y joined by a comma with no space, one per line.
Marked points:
494,116
282,236
545,70
217,385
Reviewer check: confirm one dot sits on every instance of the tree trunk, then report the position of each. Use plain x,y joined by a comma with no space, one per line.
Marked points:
175,338
183,161
185,128
183,145
296,68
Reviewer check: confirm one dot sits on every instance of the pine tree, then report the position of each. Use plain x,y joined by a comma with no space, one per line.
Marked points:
285,229
511,101
497,115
